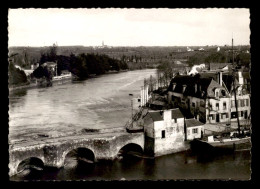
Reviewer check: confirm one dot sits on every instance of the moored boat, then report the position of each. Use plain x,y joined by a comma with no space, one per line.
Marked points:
233,142
62,77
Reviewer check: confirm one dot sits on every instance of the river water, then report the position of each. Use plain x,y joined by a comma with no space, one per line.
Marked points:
104,102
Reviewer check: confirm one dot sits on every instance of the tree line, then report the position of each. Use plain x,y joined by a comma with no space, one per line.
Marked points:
82,65
240,58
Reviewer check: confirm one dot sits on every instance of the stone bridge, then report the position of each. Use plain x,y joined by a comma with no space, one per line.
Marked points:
52,152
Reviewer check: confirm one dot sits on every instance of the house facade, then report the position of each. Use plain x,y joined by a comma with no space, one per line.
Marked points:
194,129
209,99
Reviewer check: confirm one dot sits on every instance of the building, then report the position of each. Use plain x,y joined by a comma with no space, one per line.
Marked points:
194,129
219,66
164,132
210,97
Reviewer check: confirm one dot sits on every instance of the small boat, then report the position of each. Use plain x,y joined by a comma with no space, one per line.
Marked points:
85,160
62,77
233,142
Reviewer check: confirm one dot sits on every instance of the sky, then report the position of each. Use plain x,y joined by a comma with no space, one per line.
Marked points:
128,27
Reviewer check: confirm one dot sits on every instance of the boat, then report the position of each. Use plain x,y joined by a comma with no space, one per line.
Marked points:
63,76
85,160
227,141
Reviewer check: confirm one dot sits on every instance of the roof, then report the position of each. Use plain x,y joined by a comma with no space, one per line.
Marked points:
217,66
176,113
206,83
158,103
49,64
190,82
193,123
156,116
246,75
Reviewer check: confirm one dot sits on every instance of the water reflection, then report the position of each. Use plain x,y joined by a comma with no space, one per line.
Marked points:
173,167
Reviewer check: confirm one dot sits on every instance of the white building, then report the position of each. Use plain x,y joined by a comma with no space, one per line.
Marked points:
194,129
164,132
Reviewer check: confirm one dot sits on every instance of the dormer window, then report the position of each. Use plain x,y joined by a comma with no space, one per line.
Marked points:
183,88
223,92
217,94
173,86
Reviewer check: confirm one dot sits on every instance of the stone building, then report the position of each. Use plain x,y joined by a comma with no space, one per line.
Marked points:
164,132
209,96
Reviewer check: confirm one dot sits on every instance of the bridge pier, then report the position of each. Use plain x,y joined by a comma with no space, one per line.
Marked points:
52,156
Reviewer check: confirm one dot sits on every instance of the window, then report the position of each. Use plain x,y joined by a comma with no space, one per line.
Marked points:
194,131
163,133
226,115
245,114
217,94
242,103
247,102
232,103
175,120
223,93
224,105
233,115
217,106
241,114
139,100
213,117
202,103
193,104
238,103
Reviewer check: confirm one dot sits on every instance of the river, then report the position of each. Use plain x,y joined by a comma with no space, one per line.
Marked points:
104,102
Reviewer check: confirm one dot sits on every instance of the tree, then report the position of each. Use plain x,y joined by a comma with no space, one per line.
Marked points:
50,55
16,76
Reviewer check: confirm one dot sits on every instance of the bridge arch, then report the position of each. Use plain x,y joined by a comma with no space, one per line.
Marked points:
130,148
80,153
31,162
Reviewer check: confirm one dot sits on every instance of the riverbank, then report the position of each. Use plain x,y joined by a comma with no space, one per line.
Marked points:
27,86
34,85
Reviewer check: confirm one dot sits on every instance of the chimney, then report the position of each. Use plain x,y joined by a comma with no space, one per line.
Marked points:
240,78
220,78
197,117
167,115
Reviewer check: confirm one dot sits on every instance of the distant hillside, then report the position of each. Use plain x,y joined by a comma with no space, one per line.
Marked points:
131,55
